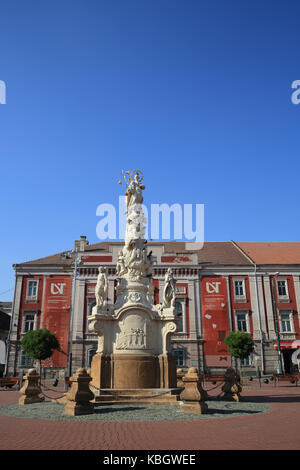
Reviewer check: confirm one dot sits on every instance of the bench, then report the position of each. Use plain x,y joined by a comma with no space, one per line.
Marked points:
293,378
10,382
213,378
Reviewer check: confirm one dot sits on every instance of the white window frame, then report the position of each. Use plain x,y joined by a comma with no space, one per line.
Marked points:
25,361
286,297
248,359
25,313
183,356
32,297
241,297
291,320
242,312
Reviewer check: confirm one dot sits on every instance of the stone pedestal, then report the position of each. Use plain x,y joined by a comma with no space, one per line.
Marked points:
101,371
232,386
180,374
79,396
133,371
193,395
31,388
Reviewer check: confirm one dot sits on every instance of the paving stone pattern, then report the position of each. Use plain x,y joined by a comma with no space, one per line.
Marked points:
275,427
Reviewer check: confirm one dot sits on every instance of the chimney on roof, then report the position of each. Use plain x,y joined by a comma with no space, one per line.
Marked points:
82,243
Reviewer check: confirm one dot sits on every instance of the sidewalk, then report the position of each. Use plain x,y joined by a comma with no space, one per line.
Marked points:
276,429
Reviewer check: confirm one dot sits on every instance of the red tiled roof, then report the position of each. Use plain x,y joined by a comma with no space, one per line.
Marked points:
215,253
272,252
224,253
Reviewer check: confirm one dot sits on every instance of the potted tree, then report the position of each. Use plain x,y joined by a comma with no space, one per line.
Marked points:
40,345
240,345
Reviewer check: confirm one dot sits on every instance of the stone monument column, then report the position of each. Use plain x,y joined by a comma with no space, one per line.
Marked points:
133,333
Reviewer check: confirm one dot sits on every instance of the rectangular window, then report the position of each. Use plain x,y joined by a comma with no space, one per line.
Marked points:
282,290
246,362
285,320
179,357
32,289
25,361
239,290
179,315
29,322
241,322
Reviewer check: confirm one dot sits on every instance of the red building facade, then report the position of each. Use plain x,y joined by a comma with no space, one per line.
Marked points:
224,286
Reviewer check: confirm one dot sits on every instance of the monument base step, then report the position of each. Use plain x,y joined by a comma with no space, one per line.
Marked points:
153,395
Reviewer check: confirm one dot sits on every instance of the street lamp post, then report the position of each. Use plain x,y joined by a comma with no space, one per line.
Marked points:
72,314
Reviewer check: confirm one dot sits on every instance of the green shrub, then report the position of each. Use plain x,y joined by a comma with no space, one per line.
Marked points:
240,344
39,344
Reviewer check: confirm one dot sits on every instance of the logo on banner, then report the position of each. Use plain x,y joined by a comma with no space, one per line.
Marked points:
58,288
212,287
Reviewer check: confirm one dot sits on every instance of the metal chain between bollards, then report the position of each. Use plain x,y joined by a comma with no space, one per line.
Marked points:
222,383
138,397
51,390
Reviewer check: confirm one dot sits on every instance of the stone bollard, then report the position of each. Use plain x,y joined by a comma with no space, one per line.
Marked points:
193,395
79,396
31,389
232,386
180,374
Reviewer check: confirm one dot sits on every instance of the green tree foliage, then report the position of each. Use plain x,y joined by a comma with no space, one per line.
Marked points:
39,344
240,344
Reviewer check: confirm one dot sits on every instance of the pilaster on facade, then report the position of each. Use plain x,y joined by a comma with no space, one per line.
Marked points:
228,303
261,307
198,307
254,305
296,280
43,300
78,322
269,308
192,311
16,308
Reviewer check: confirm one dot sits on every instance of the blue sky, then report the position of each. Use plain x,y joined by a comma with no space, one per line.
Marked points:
195,93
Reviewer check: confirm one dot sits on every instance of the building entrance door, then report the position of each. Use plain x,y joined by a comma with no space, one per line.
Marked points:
289,367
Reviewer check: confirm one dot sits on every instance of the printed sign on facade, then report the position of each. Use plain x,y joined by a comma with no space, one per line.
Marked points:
57,316
215,321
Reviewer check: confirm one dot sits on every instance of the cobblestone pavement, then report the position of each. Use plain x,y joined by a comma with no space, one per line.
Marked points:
278,428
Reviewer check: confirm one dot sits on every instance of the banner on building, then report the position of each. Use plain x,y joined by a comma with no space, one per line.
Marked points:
57,316
215,321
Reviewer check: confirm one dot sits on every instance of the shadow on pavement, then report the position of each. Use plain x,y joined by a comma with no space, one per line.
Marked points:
271,399
231,411
101,409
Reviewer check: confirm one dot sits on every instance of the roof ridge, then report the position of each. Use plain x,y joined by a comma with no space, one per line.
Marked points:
242,251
